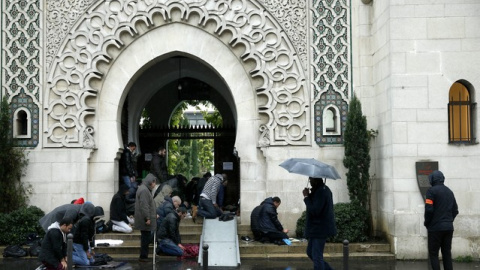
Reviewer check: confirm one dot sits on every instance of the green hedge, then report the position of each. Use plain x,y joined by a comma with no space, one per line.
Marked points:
17,225
351,222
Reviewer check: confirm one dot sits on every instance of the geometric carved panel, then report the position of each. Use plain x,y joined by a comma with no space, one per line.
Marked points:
331,63
327,98
21,61
70,99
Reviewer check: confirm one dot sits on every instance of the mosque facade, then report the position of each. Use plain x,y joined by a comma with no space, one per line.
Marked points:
281,72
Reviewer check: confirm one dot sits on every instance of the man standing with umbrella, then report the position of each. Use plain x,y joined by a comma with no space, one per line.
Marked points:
320,221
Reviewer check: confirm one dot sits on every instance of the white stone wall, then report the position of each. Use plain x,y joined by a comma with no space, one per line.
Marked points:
272,180
414,52
57,176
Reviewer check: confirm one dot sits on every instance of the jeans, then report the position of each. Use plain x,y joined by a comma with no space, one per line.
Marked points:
126,181
440,240
206,209
168,247
315,253
79,256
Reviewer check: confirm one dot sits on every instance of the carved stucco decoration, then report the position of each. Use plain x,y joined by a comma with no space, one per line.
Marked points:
22,62
331,64
61,15
292,16
68,109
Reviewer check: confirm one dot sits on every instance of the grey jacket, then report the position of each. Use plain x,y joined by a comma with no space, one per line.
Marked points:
145,206
71,211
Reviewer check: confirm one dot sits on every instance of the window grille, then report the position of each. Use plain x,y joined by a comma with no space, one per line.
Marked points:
460,111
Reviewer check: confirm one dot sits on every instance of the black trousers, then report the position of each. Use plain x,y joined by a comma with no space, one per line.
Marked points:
274,236
145,239
441,240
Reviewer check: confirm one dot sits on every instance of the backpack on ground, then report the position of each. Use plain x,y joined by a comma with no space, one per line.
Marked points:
15,251
35,248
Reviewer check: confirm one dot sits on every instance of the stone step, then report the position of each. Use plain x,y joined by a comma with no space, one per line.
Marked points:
130,249
191,232
371,251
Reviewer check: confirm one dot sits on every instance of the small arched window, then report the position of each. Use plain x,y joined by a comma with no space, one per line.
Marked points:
22,124
331,120
460,114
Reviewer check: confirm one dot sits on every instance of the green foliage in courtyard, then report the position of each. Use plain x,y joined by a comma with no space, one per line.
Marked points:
15,226
13,163
191,157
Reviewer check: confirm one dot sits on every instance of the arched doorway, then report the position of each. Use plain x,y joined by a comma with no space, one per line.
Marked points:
159,89
140,82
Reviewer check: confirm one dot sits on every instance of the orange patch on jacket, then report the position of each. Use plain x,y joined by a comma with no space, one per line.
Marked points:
428,201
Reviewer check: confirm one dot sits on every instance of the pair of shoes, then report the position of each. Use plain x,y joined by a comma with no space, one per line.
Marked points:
279,242
144,260
225,217
109,225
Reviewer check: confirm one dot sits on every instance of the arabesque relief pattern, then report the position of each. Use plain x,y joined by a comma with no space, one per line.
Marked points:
330,63
292,16
69,110
21,61
61,15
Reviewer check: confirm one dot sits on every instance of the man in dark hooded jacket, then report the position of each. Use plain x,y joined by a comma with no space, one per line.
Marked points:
269,226
169,241
83,232
440,211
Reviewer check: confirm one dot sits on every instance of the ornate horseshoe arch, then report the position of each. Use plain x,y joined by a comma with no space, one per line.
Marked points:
70,102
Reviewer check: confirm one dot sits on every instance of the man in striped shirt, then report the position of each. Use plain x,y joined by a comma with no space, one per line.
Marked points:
207,206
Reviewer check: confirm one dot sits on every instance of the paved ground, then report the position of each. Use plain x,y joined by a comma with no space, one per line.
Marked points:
253,264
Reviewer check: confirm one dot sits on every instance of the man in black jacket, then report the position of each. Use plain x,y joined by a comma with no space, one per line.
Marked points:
158,165
53,253
440,211
320,221
169,241
118,212
270,228
128,171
